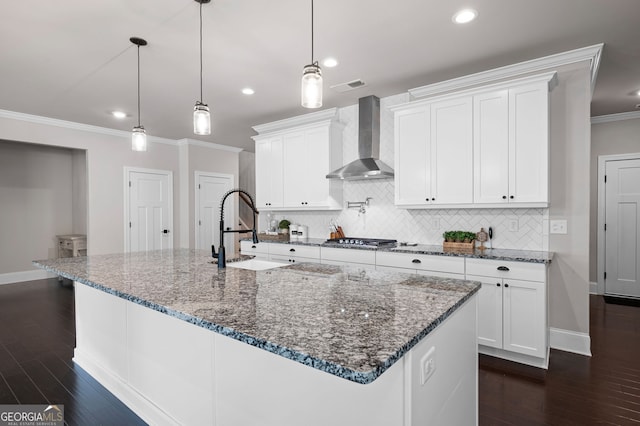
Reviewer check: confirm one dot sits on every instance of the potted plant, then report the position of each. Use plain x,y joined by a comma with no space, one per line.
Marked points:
459,240
284,226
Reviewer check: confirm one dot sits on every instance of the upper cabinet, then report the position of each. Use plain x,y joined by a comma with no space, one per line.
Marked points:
293,158
477,148
434,153
511,146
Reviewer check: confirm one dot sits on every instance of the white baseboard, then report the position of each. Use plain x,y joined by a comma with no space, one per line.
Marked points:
18,277
593,287
570,341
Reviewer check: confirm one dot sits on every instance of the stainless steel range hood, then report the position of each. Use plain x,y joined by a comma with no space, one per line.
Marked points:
367,166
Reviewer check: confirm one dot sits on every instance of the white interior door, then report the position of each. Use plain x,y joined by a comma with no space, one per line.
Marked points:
210,188
149,199
622,224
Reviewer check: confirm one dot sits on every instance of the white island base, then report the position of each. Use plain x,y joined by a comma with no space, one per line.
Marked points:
172,372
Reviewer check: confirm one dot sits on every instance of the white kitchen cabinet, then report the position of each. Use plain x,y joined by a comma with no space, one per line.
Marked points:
511,144
311,147
434,153
346,256
259,250
269,172
512,309
293,253
437,266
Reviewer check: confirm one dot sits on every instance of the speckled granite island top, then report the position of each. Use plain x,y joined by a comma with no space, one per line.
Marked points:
350,322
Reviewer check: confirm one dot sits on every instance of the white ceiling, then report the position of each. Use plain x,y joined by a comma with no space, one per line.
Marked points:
72,59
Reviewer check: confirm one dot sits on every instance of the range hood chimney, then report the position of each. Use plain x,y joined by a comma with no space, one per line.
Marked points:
367,166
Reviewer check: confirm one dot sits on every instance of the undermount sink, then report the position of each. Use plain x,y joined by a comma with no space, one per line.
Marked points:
256,264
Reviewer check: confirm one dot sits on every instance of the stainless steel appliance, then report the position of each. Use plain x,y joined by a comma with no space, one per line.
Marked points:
360,242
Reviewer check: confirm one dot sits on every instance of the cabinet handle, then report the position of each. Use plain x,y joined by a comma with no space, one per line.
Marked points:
292,249
498,284
504,197
502,268
416,261
433,199
253,246
512,197
506,285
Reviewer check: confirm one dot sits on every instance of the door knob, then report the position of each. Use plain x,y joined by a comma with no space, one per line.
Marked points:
165,231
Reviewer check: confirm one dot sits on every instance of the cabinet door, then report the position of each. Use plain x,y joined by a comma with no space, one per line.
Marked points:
529,144
491,147
451,159
489,311
269,172
295,169
524,317
412,148
317,167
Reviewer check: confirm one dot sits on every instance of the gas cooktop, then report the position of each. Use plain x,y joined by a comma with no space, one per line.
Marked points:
361,242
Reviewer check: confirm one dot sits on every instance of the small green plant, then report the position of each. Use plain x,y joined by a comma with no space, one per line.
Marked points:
459,236
284,224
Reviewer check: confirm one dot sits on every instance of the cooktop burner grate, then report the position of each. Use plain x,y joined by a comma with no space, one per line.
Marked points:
364,242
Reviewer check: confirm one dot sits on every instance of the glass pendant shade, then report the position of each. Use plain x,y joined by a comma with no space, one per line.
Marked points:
201,119
139,139
312,86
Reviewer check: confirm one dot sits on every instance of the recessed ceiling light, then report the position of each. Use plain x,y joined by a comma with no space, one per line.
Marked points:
330,62
638,93
119,114
464,16
248,91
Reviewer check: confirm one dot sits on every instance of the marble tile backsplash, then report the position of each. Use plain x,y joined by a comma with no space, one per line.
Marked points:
523,229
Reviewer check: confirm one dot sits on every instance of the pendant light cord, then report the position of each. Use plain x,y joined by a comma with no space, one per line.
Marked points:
200,52
312,31
138,85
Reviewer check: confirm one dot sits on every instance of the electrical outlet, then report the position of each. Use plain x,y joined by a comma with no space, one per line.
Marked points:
436,223
558,226
427,365
513,225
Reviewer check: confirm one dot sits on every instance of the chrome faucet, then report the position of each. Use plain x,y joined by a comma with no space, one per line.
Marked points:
246,197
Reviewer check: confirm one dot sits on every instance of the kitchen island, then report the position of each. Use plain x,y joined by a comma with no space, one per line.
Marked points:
182,342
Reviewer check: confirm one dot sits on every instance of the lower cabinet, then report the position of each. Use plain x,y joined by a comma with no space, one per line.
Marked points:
423,264
345,256
259,250
512,310
294,253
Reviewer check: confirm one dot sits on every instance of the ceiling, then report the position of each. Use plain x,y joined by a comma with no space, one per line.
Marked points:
72,59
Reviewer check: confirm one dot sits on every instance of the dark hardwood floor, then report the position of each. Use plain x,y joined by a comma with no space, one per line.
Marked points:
38,332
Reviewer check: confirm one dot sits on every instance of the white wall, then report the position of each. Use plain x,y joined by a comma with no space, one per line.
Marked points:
108,152
616,137
36,203
79,188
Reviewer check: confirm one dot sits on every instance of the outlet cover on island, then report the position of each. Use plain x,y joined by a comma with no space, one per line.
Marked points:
558,226
427,365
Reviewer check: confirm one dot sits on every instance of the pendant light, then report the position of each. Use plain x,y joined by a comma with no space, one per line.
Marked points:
138,135
312,79
201,116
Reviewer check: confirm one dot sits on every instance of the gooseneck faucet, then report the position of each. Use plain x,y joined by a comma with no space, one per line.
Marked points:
246,197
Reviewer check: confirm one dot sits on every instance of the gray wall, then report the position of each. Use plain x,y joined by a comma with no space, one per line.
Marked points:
36,202
616,137
570,159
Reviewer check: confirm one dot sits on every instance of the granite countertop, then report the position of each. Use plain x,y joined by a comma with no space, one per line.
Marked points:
531,256
350,322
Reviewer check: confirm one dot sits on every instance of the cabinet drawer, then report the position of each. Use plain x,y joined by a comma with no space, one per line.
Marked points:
367,257
311,252
248,247
421,262
507,269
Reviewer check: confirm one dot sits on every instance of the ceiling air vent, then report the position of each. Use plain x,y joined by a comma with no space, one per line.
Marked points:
345,87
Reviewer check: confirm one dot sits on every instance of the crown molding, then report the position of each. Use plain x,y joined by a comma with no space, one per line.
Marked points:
194,142
300,120
615,117
590,53
72,125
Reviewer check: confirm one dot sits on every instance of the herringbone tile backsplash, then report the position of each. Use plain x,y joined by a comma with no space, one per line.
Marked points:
384,220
